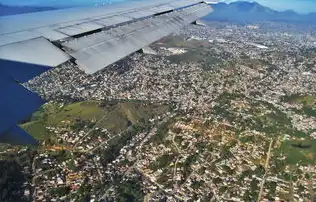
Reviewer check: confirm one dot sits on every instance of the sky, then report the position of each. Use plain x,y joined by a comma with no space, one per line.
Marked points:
300,6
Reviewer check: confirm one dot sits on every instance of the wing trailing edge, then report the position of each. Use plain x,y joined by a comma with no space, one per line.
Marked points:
16,103
17,136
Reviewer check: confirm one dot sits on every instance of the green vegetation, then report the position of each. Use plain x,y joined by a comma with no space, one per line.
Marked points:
245,139
60,191
82,110
37,129
309,111
130,191
126,118
294,154
127,113
84,192
187,166
162,131
165,177
308,102
264,117
61,156
52,114
272,189
117,143
161,162
115,116
11,181
273,123
197,184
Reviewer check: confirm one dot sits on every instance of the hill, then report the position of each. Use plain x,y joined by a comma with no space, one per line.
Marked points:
252,12
116,116
14,10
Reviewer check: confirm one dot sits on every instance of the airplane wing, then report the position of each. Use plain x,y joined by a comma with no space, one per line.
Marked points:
94,38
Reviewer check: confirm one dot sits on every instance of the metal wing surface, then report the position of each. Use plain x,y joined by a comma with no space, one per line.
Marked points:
94,38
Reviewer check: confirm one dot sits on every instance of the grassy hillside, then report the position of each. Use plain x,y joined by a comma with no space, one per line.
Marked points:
294,154
123,114
308,102
115,116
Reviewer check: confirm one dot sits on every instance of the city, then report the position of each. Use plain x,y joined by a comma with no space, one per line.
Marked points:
222,112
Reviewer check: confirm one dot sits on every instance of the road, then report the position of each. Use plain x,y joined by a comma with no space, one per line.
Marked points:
266,167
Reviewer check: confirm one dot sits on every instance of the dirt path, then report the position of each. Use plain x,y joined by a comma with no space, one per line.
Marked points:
266,167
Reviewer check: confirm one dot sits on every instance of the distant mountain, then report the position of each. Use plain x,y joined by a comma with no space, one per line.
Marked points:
251,12
13,10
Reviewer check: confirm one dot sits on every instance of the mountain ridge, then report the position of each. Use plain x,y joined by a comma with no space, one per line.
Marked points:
239,11
251,12
6,10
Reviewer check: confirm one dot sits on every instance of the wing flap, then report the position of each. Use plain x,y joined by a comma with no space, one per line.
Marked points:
18,36
93,53
140,14
80,28
113,20
24,60
162,8
183,3
50,34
